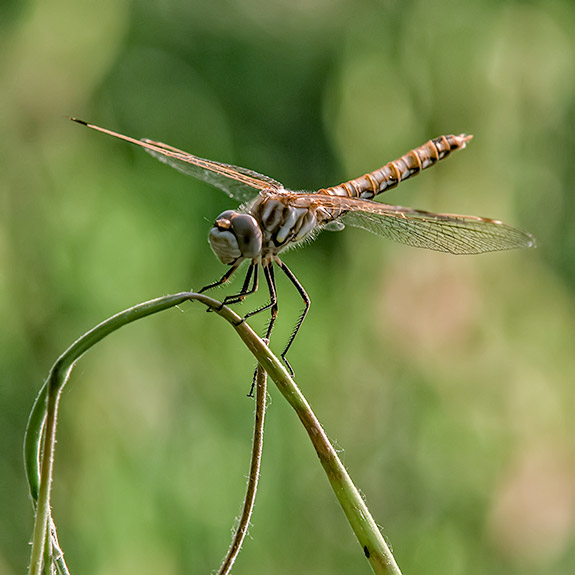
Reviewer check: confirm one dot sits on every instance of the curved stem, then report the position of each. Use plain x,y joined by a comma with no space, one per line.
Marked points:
255,464
58,376
40,437
41,431
366,530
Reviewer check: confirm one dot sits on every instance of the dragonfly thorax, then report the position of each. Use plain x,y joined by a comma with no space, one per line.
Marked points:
285,220
235,236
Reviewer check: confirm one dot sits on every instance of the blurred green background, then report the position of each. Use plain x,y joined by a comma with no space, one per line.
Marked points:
447,382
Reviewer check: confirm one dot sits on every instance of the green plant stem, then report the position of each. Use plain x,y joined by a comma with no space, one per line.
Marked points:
41,432
255,465
40,438
370,538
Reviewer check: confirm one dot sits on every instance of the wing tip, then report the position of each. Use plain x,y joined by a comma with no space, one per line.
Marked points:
531,241
78,121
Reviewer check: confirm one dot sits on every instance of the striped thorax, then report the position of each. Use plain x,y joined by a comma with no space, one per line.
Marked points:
269,225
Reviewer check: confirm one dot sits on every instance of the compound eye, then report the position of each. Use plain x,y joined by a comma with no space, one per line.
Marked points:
224,245
248,235
222,239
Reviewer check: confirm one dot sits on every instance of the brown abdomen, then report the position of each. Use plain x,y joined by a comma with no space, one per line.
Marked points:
376,182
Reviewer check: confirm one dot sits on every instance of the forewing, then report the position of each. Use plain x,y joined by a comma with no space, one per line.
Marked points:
239,183
449,233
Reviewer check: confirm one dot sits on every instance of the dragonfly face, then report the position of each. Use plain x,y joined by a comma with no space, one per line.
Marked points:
235,236
272,218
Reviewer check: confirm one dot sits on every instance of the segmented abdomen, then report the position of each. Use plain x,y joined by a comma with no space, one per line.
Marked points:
389,176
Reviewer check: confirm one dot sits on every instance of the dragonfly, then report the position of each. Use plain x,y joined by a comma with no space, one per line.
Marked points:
272,218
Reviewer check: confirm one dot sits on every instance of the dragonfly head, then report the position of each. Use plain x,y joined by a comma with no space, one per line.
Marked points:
235,235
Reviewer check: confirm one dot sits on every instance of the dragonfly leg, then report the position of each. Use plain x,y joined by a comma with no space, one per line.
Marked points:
246,290
307,303
273,300
222,280
273,303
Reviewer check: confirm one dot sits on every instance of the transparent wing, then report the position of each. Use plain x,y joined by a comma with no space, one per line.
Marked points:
239,183
440,232
449,233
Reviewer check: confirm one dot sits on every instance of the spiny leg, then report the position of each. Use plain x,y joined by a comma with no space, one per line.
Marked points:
269,275
270,279
273,300
246,290
222,280
236,298
307,303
